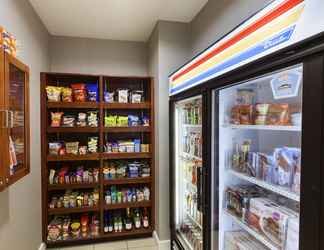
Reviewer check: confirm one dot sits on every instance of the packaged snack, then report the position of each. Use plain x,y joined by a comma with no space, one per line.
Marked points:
92,92
53,93
83,150
109,97
54,229
145,148
145,121
67,95
72,147
75,229
82,120
123,95
68,121
133,170
287,161
130,147
54,148
133,120
137,145
122,121
261,111
137,96
246,113
111,121
56,119
145,170
93,118
245,96
278,115
79,92
93,144
235,115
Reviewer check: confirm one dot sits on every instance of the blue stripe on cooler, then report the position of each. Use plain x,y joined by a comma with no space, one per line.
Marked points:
254,51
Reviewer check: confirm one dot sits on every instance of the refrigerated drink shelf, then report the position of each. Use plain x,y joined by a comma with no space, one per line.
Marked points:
193,186
264,127
276,189
194,126
185,241
191,157
254,233
194,221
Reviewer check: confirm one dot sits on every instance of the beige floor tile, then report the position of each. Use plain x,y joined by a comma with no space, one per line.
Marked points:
86,247
117,245
144,248
164,247
145,242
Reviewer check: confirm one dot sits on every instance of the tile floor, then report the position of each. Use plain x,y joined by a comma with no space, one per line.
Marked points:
138,244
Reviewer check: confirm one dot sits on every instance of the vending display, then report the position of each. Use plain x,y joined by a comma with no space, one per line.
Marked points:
258,148
188,173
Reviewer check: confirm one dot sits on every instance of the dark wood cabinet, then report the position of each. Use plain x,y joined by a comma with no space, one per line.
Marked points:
14,120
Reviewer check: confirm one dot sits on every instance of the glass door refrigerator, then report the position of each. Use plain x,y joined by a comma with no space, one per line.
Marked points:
187,174
263,163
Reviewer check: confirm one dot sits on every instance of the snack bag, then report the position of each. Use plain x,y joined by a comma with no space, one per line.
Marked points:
53,93
56,119
111,121
92,92
93,118
79,92
137,96
133,120
246,112
122,121
123,95
66,95
109,97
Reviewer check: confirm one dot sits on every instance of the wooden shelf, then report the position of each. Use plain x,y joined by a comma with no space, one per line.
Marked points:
73,105
108,156
52,211
139,180
88,157
49,134
136,129
71,186
141,231
144,105
72,130
126,205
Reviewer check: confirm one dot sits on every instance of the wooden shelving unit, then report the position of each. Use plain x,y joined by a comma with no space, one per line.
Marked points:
49,134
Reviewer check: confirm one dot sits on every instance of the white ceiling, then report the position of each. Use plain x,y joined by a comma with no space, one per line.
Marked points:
130,20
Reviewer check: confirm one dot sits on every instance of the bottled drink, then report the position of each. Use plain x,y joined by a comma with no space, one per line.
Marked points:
137,219
128,220
146,223
106,225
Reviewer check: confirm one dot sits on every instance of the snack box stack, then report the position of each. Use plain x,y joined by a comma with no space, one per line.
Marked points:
8,42
240,240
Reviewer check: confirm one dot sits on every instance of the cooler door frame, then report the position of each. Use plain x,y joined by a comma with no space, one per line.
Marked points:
312,178
205,156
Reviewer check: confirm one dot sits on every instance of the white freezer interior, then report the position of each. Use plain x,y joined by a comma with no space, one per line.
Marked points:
264,140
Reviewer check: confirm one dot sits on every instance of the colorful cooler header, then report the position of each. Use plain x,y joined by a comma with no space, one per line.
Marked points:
280,24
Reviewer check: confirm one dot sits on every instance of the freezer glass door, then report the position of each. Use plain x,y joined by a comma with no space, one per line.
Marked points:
188,173
257,157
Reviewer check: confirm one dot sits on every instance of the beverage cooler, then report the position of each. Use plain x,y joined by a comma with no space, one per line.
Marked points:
188,172
263,160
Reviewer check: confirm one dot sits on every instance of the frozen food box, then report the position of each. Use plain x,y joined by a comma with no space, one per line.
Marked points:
269,219
240,240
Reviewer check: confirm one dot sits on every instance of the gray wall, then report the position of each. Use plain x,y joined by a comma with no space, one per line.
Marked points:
20,205
95,56
169,47
217,18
